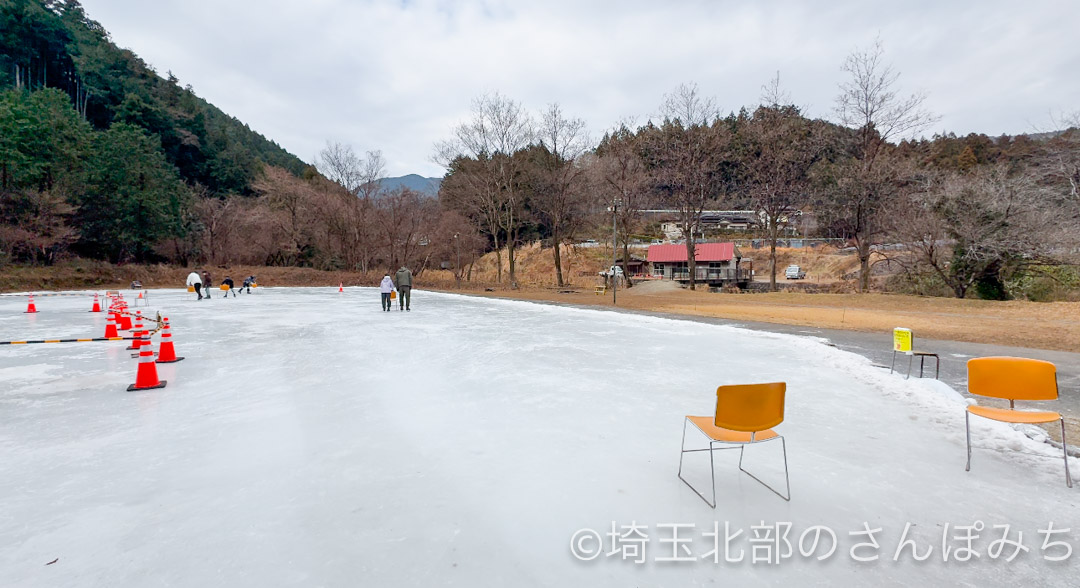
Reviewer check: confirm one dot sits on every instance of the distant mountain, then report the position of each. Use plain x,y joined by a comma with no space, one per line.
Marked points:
417,183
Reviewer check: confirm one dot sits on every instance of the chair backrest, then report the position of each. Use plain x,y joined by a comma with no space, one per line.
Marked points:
1012,378
750,407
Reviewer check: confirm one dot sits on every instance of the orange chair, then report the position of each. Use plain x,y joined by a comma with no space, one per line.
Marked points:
745,415
1012,379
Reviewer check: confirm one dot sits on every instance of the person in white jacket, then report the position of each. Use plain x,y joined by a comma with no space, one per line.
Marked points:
386,287
193,279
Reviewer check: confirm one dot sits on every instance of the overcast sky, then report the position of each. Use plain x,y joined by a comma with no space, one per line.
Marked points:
398,76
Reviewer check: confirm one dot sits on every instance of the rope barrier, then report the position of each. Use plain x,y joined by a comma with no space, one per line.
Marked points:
149,334
71,340
48,295
133,314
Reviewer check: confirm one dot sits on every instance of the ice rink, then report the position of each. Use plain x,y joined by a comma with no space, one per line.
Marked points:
310,439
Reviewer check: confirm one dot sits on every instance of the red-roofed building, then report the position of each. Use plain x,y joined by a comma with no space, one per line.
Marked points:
716,263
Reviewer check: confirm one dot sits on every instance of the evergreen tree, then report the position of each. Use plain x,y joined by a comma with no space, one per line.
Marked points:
134,197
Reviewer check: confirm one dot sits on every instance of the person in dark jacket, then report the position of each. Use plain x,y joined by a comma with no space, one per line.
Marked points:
228,282
207,284
403,279
248,283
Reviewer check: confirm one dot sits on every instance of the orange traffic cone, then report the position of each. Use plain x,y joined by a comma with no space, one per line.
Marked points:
110,328
166,352
30,308
125,319
146,378
140,294
341,287
97,304
139,332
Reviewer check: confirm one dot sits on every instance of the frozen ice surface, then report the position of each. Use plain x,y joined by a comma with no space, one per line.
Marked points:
310,439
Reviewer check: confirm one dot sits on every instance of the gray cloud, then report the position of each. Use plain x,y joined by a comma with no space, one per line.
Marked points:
398,75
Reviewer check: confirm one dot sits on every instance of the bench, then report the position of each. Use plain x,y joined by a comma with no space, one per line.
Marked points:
601,290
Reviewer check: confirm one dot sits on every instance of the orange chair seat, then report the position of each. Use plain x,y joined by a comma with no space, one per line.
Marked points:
1008,415
707,425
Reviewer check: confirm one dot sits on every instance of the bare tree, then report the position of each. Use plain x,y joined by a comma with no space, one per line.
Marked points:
499,128
372,172
977,226
39,232
559,178
619,174
404,218
781,149
340,164
870,104
686,105
772,94
686,161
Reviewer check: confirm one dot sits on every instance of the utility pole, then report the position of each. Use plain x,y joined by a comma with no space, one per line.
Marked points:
457,260
614,247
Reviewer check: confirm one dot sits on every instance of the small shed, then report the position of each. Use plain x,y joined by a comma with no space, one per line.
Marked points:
635,265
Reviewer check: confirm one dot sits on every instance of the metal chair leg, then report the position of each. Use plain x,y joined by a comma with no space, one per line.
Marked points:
910,358
1065,452
787,481
967,427
712,468
893,364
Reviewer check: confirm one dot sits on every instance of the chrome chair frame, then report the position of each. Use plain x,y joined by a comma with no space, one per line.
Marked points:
1012,404
922,361
736,445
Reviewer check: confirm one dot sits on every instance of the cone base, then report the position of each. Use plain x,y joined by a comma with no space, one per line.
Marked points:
169,360
30,312
132,387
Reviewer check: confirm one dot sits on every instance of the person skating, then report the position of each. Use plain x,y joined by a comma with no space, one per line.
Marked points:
228,282
386,287
403,279
207,282
194,281
248,283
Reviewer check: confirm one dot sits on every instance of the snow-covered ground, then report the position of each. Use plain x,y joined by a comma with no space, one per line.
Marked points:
310,439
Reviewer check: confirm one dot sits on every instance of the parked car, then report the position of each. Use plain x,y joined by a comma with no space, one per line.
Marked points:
617,268
794,272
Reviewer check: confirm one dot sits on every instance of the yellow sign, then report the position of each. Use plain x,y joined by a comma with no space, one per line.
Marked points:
901,340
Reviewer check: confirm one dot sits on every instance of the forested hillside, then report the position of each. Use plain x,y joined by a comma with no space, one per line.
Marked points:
90,132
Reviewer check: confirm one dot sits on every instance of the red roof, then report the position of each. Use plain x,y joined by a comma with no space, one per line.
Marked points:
702,252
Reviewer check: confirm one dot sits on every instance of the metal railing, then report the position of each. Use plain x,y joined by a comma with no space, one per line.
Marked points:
709,274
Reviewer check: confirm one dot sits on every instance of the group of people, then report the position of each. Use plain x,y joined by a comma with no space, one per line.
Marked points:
400,283
202,284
